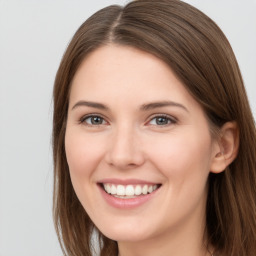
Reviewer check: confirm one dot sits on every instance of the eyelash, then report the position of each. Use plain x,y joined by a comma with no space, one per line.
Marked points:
84,118
169,119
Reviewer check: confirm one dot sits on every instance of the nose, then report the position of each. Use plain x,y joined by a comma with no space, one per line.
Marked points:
125,149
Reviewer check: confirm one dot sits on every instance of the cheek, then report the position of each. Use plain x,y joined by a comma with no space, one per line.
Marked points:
83,155
184,161
184,157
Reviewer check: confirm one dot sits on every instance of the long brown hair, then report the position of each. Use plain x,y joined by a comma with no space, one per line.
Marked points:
201,56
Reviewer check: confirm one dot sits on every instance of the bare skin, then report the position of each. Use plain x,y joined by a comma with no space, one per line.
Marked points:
130,118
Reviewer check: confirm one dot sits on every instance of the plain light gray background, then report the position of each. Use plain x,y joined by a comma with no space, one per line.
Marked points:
33,37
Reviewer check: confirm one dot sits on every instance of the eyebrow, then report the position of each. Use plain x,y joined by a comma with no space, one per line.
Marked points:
90,104
144,107
161,104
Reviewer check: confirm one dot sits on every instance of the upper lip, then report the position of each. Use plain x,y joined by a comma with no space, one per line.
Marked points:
126,181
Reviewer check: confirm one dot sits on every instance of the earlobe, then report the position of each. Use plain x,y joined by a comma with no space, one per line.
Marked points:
226,149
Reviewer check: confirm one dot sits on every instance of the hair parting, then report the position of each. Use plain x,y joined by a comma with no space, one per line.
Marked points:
201,57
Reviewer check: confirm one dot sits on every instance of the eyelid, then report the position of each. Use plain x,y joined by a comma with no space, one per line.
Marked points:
172,119
83,118
169,117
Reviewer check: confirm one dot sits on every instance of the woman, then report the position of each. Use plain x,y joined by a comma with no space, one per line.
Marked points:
153,138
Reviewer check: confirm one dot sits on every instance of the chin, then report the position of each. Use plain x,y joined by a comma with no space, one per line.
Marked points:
127,233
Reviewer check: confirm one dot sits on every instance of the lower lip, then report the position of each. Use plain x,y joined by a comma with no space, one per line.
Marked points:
130,203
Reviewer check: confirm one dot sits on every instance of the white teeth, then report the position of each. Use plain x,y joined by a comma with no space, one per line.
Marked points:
108,189
129,191
145,189
113,190
138,190
120,191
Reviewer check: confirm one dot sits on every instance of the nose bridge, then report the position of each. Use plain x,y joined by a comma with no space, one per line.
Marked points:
124,149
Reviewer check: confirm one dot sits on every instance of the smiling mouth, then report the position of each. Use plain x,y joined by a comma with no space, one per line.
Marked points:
129,191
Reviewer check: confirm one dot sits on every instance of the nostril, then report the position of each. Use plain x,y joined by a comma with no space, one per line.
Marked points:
125,161
123,152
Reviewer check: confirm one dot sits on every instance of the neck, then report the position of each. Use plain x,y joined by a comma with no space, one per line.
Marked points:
181,241
160,249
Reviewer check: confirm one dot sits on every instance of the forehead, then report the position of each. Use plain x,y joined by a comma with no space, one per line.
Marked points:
116,73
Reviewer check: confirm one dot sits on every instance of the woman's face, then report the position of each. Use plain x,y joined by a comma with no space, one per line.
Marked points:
138,146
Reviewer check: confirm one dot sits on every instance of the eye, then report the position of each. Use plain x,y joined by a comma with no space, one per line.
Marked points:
93,120
162,120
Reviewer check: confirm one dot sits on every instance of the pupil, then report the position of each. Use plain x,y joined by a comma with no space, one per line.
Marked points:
96,120
161,120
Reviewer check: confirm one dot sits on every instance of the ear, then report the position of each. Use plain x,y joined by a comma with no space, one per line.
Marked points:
225,148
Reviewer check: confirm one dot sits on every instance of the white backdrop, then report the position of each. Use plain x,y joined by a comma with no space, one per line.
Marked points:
33,37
